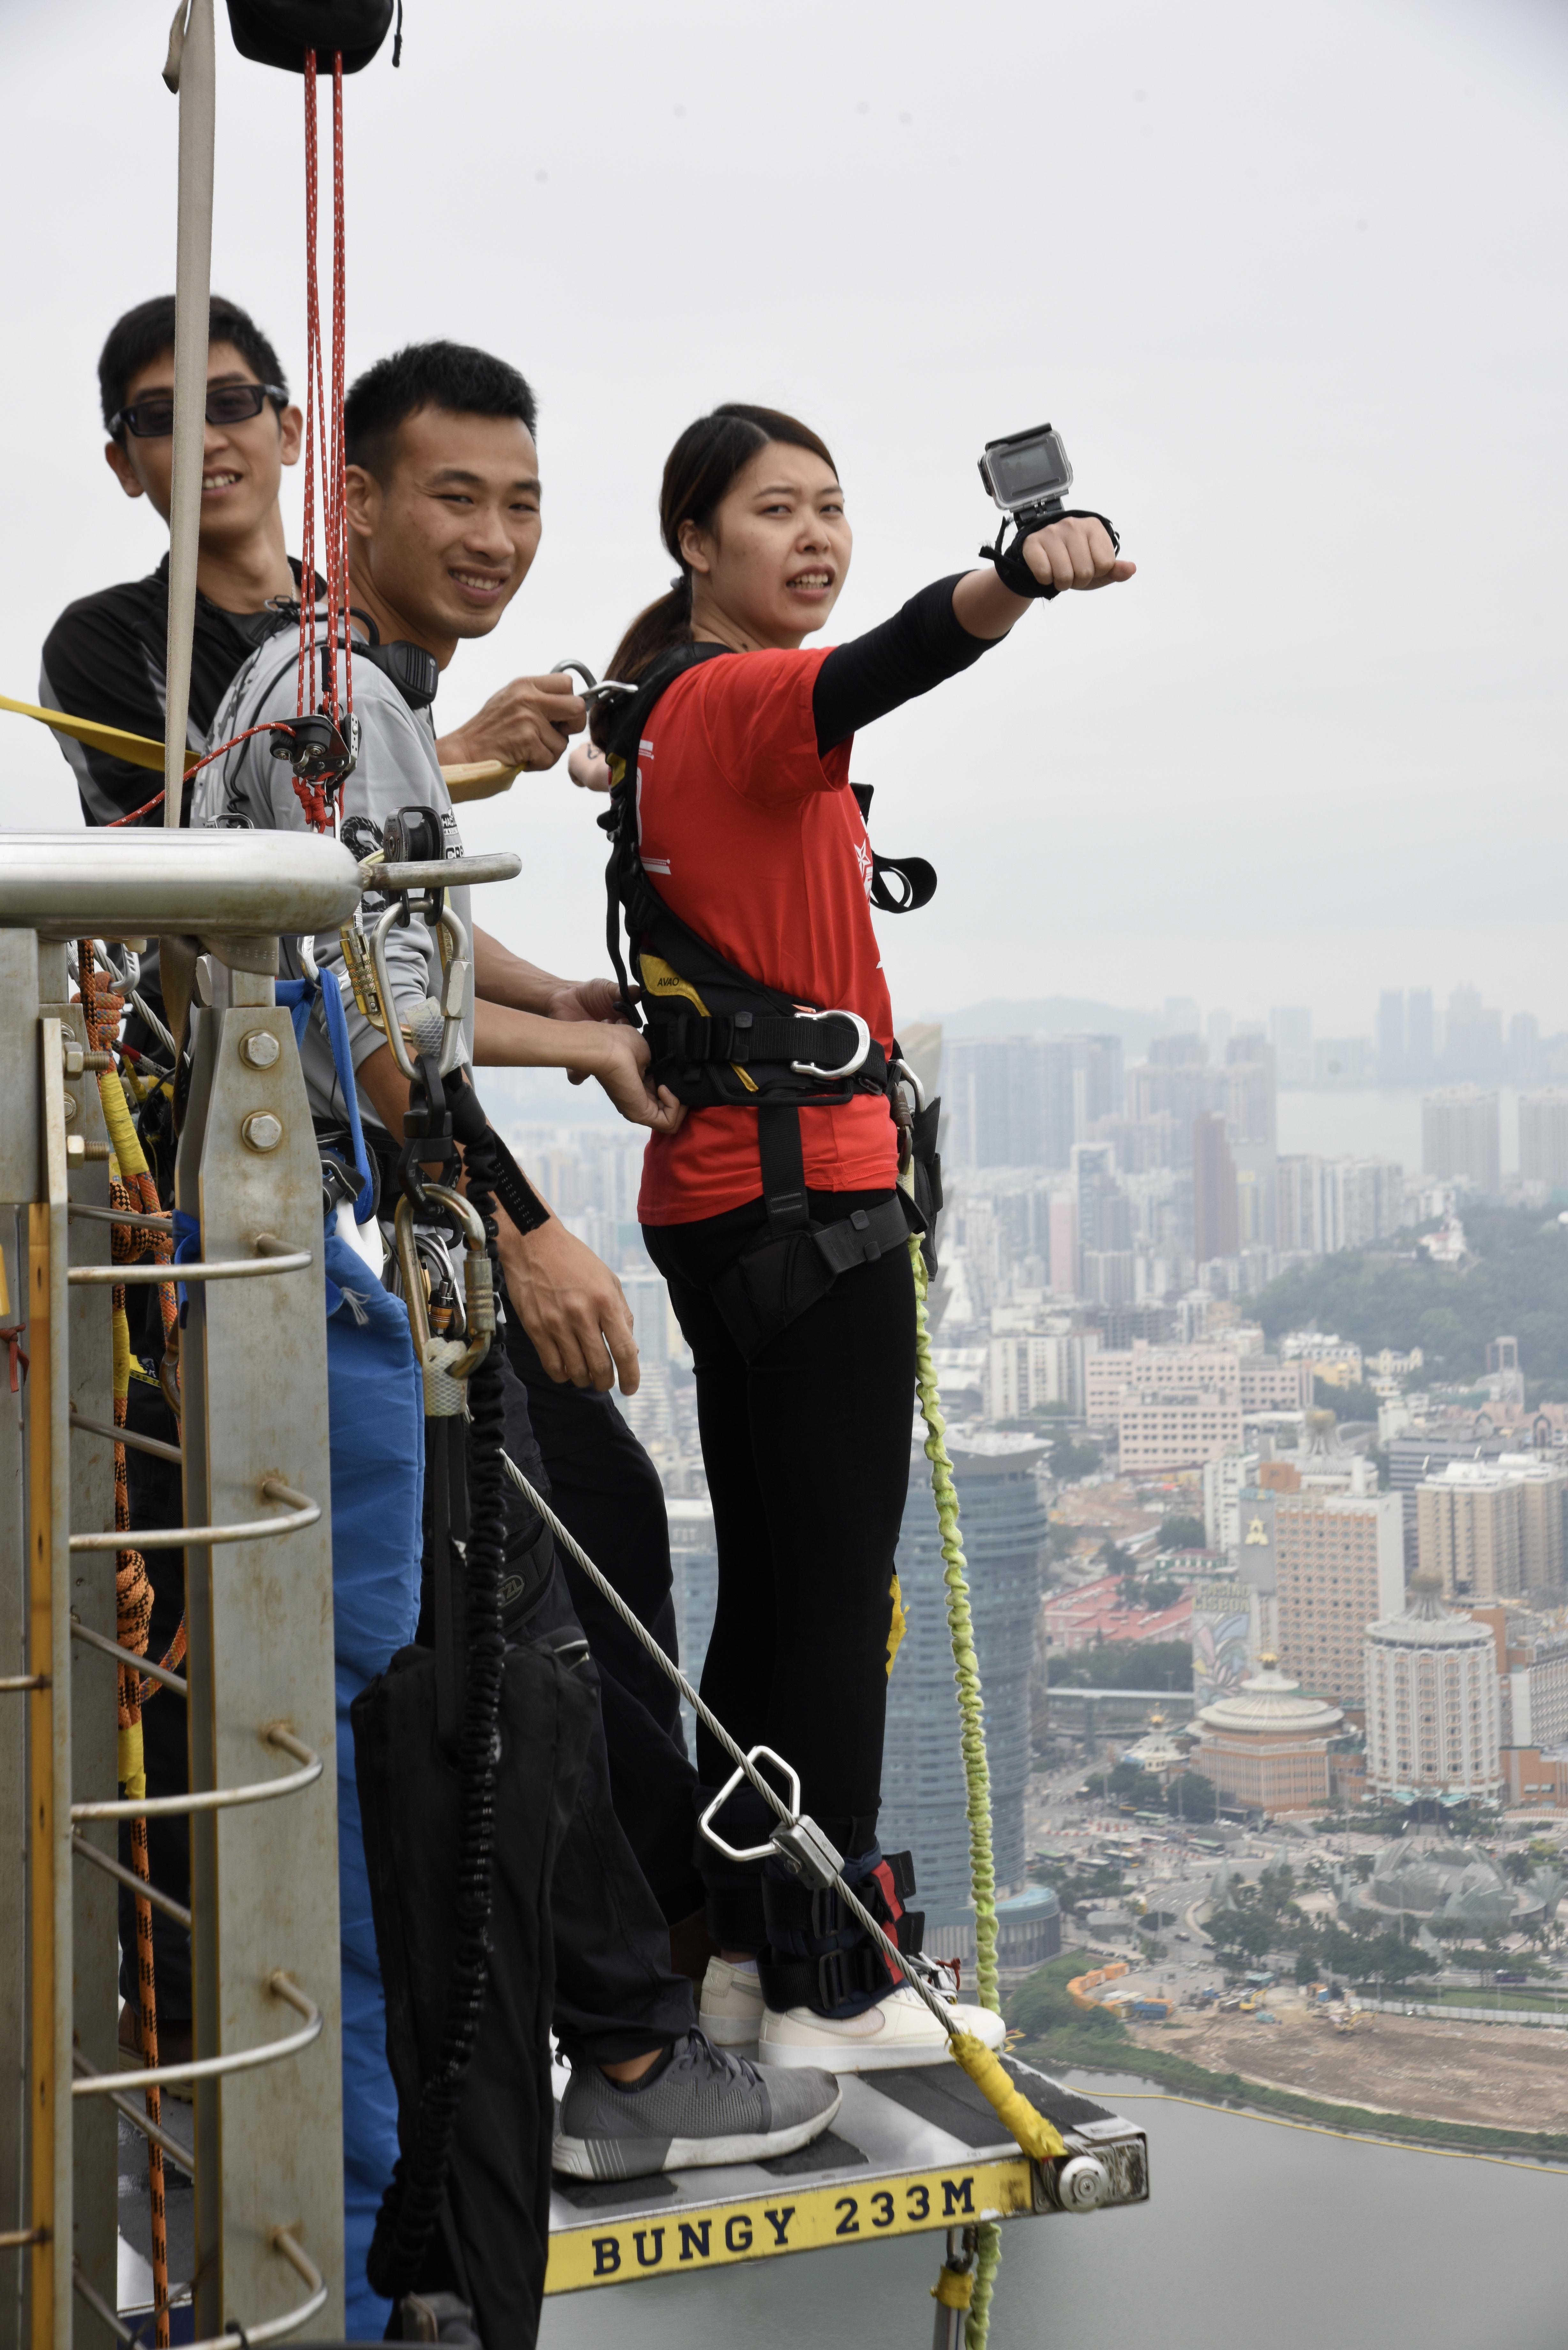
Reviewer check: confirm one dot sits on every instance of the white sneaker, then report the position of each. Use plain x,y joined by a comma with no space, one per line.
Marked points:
730,2009
899,2030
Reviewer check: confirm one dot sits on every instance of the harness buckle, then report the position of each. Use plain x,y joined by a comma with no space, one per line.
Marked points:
850,1068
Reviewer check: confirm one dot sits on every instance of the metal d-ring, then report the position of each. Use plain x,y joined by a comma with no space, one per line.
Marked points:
850,1067
752,1852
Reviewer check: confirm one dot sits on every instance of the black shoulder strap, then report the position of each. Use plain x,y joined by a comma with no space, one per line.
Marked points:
913,880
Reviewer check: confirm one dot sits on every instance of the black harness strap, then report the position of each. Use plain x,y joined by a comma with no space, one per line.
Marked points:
720,1038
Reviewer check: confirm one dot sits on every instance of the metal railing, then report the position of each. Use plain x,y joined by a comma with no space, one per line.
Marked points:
266,2150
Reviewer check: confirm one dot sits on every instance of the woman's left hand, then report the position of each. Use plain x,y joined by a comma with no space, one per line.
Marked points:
1075,553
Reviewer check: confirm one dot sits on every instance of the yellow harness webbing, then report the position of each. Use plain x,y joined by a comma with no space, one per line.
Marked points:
136,750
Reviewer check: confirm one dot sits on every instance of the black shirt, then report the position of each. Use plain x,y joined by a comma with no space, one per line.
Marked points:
105,659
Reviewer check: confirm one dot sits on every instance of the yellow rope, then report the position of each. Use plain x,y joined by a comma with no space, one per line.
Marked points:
1032,2131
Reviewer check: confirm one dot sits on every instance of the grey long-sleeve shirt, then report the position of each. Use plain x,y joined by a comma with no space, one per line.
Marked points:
397,768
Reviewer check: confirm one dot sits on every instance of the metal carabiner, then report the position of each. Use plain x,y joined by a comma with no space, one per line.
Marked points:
850,1067
594,688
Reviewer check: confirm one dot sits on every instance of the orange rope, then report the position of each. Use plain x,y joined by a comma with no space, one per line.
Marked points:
102,1011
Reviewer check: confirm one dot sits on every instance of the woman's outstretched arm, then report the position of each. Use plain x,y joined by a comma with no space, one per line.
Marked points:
947,627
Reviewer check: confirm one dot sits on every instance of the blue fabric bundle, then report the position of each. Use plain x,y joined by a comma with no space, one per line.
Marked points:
378,1432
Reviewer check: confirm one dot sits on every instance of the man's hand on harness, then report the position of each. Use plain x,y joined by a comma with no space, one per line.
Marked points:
572,1306
525,725
617,1057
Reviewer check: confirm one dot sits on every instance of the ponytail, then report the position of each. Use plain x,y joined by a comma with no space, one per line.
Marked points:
698,475
665,622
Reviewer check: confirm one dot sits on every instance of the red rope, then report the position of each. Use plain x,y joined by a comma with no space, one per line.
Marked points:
268,726
324,449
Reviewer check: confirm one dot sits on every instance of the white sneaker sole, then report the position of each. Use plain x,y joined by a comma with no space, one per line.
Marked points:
853,2055
574,2156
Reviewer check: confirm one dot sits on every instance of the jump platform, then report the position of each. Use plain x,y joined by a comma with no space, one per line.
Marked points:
912,2151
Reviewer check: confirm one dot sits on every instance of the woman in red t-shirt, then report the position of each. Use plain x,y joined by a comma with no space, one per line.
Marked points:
750,835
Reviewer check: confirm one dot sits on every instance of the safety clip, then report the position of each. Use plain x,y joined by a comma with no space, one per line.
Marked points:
798,1842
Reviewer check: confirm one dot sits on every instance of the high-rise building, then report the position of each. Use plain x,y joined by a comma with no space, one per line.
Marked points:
1097,1081
1250,1084
1219,1028
1290,1033
1223,1481
1182,1015
1177,1427
924,1792
1472,1047
1339,1564
1215,1228
1390,1038
1461,1137
1064,1245
1420,1037
1524,1055
1432,1710
1544,1137
1470,1530
1180,1052
1008,1100
1324,1205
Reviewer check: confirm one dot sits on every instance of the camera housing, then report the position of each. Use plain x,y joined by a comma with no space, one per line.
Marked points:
1028,475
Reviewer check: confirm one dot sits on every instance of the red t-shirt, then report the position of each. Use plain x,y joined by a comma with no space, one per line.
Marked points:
753,838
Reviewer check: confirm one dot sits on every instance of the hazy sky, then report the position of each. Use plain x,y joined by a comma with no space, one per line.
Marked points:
1288,281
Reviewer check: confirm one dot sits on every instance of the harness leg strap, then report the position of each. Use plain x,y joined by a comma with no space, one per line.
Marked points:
783,1166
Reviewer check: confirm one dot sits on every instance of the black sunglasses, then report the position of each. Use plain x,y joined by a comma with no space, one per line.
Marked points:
227,403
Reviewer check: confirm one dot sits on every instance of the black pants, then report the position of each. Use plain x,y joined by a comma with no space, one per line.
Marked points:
807,1453
615,1995
607,1492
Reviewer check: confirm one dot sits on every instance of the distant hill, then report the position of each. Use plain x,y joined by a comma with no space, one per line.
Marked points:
1056,1015
1519,1286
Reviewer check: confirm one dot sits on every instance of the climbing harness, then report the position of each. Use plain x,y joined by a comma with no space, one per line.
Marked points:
720,1038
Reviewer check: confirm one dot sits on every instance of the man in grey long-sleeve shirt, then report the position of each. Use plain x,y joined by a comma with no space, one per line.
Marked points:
443,505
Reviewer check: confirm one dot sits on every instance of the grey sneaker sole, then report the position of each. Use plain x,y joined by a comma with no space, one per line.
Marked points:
637,2158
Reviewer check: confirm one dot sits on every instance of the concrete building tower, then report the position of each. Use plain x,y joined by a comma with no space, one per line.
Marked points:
924,1795
1215,1226
1339,1564
1432,1704
1461,1137
1470,1530
1544,1137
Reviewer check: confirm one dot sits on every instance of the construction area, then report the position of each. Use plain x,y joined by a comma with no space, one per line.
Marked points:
1506,2077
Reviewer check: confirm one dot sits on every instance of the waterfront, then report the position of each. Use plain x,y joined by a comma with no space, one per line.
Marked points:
1255,2233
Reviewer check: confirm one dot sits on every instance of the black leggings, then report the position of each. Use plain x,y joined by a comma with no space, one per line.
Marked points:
807,1454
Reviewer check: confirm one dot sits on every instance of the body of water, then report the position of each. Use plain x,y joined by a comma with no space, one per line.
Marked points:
1255,2235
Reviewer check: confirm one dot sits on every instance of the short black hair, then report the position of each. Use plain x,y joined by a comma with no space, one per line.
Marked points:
453,376
138,338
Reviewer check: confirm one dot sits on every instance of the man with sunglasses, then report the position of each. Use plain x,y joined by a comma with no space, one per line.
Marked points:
106,655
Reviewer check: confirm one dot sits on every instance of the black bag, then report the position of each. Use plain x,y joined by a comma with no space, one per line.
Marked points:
493,2241
279,32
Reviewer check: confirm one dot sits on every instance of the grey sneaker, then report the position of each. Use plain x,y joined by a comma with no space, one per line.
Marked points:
706,2107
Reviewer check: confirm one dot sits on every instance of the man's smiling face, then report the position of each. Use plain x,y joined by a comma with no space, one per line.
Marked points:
446,538
242,464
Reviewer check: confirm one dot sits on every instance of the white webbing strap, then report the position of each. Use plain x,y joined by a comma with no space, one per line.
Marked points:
190,71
